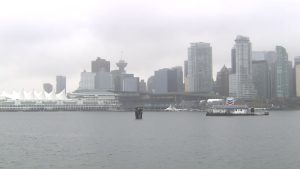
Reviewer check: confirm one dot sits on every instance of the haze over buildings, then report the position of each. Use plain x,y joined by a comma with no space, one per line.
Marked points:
57,37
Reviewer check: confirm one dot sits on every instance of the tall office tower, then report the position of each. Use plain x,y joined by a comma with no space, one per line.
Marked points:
222,82
233,61
60,84
200,67
243,76
161,81
168,80
100,65
261,78
270,58
185,76
47,87
282,72
87,81
297,75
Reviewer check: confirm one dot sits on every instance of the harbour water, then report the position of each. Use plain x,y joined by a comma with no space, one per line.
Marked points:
162,140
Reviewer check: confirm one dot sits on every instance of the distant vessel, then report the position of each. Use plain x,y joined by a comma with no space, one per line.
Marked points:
173,108
229,109
234,110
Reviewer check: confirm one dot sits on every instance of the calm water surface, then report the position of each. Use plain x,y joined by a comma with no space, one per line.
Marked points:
162,140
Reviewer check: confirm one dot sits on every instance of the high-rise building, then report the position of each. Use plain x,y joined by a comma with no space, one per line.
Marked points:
292,82
258,55
233,85
282,73
200,67
297,75
87,81
150,84
104,81
222,82
60,84
233,61
179,78
47,87
185,76
244,84
271,60
100,65
261,78
168,80
130,83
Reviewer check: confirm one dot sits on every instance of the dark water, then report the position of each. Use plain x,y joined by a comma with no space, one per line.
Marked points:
162,140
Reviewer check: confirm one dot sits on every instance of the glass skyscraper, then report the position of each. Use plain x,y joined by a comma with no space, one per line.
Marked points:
244,87
282,72
200,67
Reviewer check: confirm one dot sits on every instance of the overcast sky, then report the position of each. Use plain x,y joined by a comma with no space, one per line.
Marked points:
40,39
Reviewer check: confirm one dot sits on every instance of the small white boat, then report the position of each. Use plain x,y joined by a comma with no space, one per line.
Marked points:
172,108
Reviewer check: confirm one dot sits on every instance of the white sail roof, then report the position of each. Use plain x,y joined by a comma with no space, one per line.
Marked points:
33,95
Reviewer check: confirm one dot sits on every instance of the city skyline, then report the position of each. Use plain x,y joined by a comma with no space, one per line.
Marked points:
36,48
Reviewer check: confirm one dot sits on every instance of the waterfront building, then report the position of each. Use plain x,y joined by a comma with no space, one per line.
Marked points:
222,82
33,95
297,75
261,77
95,100
87,81
60,84
200,68
168,80
100,65
104,81
243,77
48,87
79,100
282,73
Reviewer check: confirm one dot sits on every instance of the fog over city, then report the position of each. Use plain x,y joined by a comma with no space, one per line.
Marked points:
42,39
